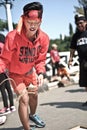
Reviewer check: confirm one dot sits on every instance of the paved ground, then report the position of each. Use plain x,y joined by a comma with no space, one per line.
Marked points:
61,109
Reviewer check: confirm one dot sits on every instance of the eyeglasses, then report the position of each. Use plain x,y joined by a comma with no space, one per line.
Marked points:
32,23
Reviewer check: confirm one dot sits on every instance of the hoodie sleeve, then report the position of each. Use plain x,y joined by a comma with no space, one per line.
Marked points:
5,58
40,62
1,50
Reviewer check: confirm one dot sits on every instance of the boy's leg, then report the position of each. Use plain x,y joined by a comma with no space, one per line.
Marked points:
23,105
21,91
23,111
33,101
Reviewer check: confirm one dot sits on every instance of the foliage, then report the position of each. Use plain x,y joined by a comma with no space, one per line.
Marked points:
80,9
3,25
14,25
82,2
63,44
70,29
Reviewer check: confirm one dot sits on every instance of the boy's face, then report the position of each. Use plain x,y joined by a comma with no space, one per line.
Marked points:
81,25
31,25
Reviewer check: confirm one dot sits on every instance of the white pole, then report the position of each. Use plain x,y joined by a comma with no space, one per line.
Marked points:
9,17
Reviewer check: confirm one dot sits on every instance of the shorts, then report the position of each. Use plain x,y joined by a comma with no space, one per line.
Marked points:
21,82
82,76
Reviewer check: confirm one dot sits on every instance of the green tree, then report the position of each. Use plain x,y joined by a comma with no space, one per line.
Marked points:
70,29
4,25
80,9
82,2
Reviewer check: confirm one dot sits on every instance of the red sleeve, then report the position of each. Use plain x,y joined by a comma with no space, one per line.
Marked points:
41,61
5,58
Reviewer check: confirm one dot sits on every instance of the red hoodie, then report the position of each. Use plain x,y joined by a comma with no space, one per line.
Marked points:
20,54
1,47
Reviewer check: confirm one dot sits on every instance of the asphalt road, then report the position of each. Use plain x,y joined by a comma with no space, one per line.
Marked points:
60,108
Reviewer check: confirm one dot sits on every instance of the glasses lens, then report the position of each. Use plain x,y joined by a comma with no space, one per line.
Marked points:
33,23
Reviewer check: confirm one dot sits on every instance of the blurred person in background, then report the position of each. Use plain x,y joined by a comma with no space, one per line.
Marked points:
5,87
79,43
55,59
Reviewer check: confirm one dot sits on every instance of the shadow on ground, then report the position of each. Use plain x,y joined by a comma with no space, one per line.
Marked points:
74,105
76,90
19,128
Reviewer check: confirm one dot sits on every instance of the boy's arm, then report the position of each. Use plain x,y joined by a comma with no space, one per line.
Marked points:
41,60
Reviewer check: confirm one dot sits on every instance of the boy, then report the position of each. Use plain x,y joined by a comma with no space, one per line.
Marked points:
24,55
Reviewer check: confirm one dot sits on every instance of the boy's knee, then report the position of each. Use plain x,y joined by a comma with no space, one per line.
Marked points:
24,99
